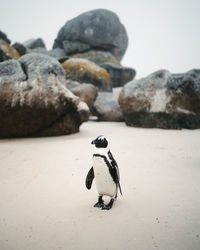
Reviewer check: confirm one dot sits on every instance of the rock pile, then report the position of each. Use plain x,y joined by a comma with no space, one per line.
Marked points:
100,37
89,48
46,93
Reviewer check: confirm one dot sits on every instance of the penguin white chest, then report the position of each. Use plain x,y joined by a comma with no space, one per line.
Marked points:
103,179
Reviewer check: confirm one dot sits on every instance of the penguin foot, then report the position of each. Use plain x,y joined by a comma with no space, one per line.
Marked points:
100,202
108,206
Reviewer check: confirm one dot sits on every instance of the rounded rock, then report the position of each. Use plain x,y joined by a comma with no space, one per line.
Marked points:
101,29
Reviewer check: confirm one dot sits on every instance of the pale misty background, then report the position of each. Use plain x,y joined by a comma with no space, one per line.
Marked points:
162,34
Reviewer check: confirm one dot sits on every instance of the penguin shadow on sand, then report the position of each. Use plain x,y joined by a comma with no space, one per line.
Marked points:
105,172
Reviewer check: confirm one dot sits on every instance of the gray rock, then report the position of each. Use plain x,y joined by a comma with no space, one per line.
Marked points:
163,100
4,37
38,50
97,56
41,67
119,75
11,72
106,106
100,29
34,43
21,49
56,53
85,91
71,47
34,100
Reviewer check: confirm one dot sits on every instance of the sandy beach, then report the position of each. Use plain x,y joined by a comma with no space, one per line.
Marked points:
44,204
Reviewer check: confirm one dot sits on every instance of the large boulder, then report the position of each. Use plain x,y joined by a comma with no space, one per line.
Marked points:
34,100
106,106
119,75
163,100
100,29
85,71
7,51
85,91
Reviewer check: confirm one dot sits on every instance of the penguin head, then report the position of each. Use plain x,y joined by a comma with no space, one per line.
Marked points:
100,142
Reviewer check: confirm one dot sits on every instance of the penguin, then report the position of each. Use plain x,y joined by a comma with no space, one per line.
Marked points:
105,172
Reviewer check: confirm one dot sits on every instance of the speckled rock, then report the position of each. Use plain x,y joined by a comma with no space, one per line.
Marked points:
34,100
163,100
11,72
41,67
82,70
101,29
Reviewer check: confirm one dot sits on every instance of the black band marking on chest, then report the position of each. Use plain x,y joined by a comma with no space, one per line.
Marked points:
112,170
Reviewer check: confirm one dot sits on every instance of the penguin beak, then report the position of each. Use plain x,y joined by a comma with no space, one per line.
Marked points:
93,142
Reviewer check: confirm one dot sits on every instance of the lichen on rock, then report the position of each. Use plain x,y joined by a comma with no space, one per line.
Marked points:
7,51
82,70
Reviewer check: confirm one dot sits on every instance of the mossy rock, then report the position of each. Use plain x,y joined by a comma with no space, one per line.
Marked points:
82,70
9,51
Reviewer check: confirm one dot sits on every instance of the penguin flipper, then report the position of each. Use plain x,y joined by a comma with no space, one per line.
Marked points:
120,189
89,178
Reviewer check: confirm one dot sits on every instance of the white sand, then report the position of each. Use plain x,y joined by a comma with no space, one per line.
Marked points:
44,204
